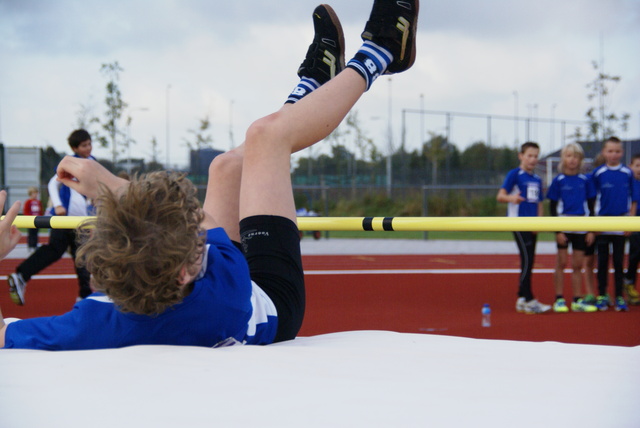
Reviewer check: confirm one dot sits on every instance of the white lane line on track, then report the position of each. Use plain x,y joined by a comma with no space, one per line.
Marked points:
418,271
59,276
368,272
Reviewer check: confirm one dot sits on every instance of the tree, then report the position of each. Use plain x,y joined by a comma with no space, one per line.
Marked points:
475,156
154,165
603,122
115,108
84,116
49,160
363,143
201,138
435,150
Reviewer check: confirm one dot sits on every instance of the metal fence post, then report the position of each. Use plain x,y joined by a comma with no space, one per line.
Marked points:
425,210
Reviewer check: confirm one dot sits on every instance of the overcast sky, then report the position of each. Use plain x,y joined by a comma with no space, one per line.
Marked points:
236,61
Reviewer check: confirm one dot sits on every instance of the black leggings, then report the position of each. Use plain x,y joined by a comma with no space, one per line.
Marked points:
602,247
271,245
634,257
526,242
59,241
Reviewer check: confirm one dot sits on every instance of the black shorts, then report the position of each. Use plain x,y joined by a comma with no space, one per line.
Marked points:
577,240
590,250
271,245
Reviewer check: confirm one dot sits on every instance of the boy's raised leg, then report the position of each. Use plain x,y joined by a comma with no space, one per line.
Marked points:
323,61
389,47
268,218
325,56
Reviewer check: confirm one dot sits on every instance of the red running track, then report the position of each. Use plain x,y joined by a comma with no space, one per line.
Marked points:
430,294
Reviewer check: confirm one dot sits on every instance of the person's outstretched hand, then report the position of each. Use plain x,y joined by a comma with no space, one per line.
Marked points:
85,175
9,234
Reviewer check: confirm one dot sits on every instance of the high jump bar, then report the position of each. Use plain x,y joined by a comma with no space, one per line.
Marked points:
379,224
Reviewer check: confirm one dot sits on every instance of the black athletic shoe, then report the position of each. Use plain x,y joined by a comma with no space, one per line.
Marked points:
325,57
393,25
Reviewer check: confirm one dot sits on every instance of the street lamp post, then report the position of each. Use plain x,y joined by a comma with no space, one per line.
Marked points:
129,136
390,147
515,114
167,135
421,120
552,125
231,142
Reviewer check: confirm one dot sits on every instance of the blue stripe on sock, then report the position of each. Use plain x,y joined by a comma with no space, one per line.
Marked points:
310,83
371,61
357,66
383,56
302,89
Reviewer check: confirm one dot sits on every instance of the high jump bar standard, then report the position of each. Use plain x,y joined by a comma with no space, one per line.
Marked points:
378,224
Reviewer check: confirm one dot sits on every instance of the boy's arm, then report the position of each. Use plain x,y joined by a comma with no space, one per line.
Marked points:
9,237
85,176
3,329
9,234
54,195
504,197
591,204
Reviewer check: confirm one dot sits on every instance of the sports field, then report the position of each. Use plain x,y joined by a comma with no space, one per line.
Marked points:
410,293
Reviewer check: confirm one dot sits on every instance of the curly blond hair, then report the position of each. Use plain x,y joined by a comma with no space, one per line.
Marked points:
141,239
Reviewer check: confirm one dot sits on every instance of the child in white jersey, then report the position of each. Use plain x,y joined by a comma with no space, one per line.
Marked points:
522,191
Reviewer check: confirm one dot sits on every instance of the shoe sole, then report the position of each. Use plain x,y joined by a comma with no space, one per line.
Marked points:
582,311
336,23
548,311
413,28
13,292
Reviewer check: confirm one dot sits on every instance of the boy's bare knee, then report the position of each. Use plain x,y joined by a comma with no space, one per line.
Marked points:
225,164
262,131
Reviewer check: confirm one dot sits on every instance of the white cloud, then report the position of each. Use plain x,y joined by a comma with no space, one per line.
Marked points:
236,61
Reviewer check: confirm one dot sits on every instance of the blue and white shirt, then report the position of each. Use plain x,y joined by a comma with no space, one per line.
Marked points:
224,306
571,192
529,186
614,186
73,202
636,192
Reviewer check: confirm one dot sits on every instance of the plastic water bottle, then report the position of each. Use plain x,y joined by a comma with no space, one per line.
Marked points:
486,315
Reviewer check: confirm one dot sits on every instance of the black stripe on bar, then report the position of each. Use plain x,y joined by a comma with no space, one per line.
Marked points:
367,223
387,224
42,222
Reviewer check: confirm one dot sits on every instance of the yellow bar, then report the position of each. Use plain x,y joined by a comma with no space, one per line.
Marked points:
491,224
55,222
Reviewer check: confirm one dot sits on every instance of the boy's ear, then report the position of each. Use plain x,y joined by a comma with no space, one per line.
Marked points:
182,275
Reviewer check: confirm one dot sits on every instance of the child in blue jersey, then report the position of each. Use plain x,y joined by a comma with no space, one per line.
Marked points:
171,272
522,191
634,241
571,194
65,201
613,182
590,252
